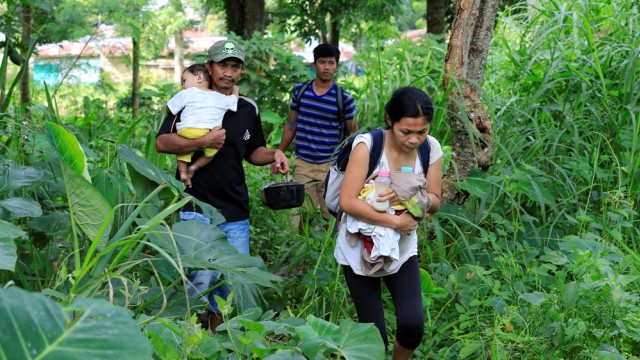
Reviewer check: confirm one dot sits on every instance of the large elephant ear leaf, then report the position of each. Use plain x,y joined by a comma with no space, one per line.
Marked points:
36,327
68,148
88,208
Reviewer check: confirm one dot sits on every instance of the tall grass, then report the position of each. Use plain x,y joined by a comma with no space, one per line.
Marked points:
541,254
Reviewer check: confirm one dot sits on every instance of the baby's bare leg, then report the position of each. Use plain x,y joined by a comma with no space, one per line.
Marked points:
201,162
183,170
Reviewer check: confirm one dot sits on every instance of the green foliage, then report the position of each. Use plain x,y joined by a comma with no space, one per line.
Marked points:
258,334
389,66
270,73
540,262
310,19
37,327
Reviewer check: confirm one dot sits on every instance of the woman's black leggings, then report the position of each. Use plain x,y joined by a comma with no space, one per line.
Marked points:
404,287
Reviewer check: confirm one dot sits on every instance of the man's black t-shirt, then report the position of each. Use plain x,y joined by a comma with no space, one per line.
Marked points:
222,182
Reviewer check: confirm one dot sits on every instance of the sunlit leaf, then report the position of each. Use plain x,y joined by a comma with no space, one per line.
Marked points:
88,207
68,148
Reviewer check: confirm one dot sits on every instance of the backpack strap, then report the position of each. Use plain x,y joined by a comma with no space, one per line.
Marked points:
377,146
340,105
424,153
303,88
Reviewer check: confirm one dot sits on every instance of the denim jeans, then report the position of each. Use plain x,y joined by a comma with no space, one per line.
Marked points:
200,280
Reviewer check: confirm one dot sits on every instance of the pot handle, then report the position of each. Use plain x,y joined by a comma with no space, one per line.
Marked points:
287,177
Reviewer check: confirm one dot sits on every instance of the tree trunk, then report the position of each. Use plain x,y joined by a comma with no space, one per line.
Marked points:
464,74
436,11
334,33
26,36
178,57
244,17
135,81
254,16
233,10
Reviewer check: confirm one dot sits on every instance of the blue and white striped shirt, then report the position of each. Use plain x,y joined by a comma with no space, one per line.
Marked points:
318,126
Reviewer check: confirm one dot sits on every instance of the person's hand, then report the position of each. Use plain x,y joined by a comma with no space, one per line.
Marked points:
273,168
280,163
405,224
390,195
214,138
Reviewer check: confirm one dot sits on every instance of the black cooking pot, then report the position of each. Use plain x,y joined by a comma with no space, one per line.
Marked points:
284,194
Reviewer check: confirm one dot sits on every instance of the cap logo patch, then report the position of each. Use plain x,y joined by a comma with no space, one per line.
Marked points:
229,49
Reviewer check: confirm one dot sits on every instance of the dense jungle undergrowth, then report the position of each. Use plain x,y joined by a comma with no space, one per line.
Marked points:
541,261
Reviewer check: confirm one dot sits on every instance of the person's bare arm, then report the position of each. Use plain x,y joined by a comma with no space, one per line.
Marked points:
264,156
235,91
434,184
288,133
172,143
351,126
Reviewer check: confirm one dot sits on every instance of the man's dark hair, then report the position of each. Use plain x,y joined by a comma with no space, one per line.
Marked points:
326,50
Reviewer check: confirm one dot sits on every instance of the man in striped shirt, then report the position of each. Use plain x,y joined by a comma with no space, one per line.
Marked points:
315,123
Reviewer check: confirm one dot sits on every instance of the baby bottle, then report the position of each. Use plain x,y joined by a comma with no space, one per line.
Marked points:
382,183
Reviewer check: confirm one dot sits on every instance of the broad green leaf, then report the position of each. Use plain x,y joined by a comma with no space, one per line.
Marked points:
474,186
350,340
534,298
146,170
570,294
14,176
168,337
36,327
88,208
68,148
8,253
196,243
20,207
360,341
204,246
8,250
468,349
112,187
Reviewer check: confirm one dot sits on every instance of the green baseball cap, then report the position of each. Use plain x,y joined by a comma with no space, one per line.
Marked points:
225,49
